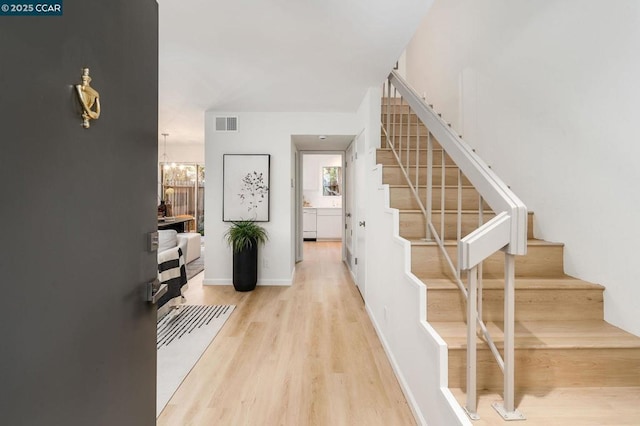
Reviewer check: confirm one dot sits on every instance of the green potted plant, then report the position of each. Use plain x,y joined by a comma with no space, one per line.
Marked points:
243,237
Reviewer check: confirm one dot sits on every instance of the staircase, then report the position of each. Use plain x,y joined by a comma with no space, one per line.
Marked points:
572,367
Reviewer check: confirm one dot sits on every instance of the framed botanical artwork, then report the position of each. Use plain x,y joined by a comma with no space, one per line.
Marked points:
245,187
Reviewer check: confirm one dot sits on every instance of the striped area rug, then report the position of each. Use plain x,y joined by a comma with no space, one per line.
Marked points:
183,336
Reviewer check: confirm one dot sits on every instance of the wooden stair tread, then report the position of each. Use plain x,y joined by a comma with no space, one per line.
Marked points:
561,406
530,242
412,149
447,211
592,334
424,166
568,283
450,211
406,186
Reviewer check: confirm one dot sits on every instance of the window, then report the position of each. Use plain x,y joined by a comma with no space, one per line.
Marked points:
331,181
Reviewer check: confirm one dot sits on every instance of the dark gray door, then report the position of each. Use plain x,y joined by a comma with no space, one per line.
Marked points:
77,341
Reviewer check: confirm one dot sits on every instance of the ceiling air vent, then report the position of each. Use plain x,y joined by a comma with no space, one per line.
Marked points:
226,124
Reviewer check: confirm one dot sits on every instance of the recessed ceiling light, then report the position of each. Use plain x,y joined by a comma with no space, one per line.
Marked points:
322,137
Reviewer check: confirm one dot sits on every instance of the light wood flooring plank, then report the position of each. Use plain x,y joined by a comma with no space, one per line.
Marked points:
300,355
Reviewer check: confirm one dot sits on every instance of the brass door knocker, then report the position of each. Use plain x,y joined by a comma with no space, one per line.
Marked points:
89,98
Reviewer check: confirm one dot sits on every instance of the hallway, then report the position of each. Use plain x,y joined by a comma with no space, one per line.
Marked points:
300,355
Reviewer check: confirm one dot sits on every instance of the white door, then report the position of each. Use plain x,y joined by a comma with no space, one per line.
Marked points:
349,204
297,208
360,216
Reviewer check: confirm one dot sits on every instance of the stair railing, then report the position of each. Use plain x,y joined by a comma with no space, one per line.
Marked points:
506,231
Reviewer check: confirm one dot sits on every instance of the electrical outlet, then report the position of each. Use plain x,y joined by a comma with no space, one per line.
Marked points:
386,314
265,263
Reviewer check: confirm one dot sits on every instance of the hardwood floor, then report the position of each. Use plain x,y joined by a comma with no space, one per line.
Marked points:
300,355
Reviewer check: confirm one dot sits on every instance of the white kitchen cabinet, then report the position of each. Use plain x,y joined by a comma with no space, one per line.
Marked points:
309,227
329,224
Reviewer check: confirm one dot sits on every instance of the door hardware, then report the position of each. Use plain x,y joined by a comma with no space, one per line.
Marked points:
154,291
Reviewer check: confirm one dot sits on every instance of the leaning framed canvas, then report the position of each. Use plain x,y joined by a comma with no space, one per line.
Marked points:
245,187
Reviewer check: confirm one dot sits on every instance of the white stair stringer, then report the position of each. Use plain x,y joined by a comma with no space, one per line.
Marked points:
396,302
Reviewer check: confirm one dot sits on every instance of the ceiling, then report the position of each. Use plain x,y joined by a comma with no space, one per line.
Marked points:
274,56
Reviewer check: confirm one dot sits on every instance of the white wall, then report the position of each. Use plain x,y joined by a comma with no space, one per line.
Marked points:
402,65
261,133
548,94
312,165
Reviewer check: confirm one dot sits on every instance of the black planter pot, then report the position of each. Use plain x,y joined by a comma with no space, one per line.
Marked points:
245,268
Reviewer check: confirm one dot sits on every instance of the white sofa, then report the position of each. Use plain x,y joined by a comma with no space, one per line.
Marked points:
168,239
193,245
171,264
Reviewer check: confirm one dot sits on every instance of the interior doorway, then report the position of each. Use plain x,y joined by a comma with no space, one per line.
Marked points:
320,175
322,196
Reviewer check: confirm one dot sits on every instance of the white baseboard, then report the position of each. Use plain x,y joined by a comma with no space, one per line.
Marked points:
353,276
